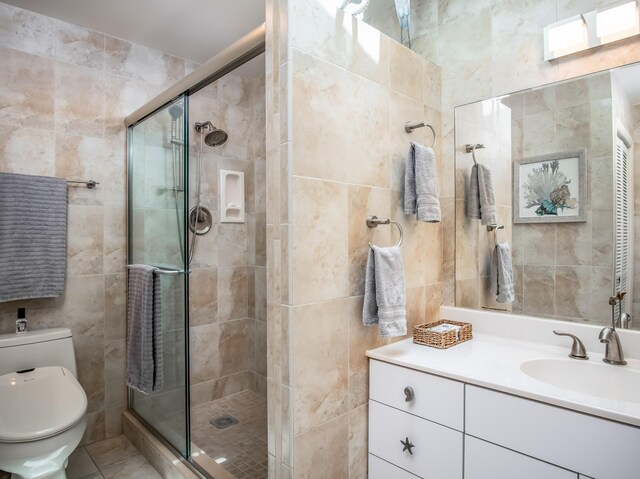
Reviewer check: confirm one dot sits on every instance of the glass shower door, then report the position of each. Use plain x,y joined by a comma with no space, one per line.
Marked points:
157,230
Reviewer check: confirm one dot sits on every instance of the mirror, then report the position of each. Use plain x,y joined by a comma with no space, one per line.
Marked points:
562,162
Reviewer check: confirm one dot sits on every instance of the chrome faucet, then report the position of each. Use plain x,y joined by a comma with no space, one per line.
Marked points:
613,349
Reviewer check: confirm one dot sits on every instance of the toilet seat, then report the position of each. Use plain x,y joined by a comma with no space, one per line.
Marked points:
38,404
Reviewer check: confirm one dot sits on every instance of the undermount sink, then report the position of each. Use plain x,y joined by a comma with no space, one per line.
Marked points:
620,383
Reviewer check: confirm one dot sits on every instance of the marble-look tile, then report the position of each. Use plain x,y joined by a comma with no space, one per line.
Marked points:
163,69
602,238
95,428
114,367
539,136
539,242
573,290
364,202
601,133
27,31
115,286
125,58
122,96
136,467
320,260
539,100
115,239
600,86
358,442
80,464
27,93
18,143
600,291
432,82
320,116
368,52
80,114
233,344
320,343
232,244
81,308
233,293
85,240
204,353
323,452
113,420
539,289
78,45
608,56
203,296
320,29
81,157
573,243
406,75
91,364
572,128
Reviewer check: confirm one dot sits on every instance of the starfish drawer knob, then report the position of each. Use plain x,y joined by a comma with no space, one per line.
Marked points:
407,445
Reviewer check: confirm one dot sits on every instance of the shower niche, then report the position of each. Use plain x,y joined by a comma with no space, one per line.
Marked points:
231,196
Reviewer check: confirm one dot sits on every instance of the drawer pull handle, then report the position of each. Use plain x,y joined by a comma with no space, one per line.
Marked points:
410,395
407,445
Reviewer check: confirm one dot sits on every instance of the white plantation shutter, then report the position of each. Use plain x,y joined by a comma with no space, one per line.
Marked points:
622,222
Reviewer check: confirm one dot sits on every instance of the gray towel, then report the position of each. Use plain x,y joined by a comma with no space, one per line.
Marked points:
421,189
33,236
481,203
144,338
501,280
384,293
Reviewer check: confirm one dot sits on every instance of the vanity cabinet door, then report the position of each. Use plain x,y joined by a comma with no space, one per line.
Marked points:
430,397
435,451
379,469
483,460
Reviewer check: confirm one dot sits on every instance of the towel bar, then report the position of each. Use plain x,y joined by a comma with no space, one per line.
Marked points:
88,183
374,221
167,272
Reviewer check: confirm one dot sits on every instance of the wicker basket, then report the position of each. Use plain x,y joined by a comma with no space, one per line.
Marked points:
423,334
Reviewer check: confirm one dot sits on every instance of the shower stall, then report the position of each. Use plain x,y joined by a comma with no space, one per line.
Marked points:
196,211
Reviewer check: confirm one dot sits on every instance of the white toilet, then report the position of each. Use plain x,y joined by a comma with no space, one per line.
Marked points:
42,405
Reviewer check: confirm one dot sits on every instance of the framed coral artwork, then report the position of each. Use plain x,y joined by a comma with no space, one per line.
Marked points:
550,188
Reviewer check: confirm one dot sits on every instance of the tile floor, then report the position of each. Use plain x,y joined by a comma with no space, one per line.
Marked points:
110,459
114,458
243,445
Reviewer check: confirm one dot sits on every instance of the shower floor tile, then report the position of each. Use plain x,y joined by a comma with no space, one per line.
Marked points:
242,448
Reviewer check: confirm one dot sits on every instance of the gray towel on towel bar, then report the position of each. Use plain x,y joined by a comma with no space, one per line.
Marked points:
144,337
33,236
481,203
421,188
384,292
501,279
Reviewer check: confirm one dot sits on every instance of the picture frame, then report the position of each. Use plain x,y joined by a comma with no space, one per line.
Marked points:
550,188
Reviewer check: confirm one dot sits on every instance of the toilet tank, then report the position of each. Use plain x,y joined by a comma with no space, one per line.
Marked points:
38,348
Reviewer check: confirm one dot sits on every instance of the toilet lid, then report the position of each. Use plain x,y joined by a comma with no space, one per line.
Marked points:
39,404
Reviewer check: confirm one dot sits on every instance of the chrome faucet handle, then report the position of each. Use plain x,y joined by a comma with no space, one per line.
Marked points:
625,321
613,353
577,348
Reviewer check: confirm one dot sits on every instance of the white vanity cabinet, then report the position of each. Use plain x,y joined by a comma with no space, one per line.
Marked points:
494,435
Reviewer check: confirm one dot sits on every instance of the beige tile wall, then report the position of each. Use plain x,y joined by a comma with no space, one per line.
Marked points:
64,92
340,94
227,295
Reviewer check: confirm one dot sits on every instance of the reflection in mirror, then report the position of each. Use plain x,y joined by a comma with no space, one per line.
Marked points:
561,161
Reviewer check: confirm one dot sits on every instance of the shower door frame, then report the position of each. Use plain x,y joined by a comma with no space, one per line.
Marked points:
246,49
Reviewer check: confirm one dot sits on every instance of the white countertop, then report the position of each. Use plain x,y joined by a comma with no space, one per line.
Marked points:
494,362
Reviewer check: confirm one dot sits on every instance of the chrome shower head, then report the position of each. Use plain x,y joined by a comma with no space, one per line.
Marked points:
175,111
215,137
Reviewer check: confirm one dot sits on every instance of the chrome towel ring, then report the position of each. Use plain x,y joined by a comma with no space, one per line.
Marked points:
374,221
414,125
472,149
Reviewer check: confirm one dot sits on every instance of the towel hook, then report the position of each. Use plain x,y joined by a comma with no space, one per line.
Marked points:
495,229
374,221
414,125
469,148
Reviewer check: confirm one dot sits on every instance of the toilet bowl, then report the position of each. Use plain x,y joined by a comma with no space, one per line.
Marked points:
42,420
43,411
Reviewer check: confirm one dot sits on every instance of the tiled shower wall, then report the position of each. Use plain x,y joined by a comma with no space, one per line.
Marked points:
341,93
227,288
64,92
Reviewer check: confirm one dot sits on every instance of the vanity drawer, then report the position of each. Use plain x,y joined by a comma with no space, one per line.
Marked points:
434,398
483,460
379,469
579,442
437,451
